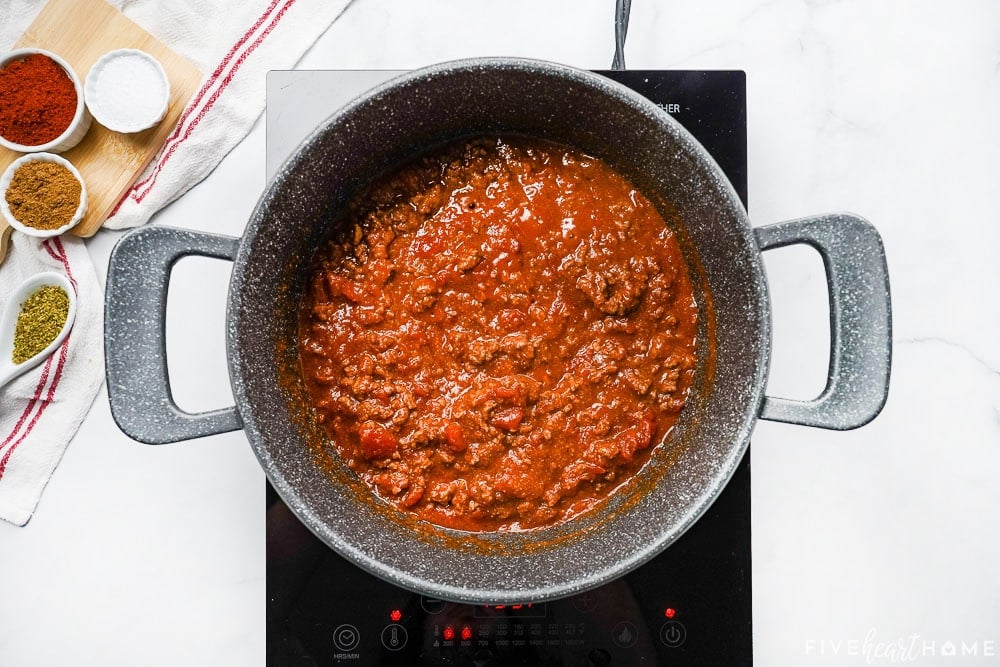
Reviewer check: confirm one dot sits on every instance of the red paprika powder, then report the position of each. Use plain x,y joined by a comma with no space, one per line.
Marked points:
37,100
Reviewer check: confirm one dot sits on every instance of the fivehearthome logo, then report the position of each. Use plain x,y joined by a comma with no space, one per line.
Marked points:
913,648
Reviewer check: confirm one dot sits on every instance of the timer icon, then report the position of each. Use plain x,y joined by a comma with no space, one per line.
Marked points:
346,637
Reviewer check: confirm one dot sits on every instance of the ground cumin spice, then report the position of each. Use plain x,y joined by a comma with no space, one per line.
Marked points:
42,317
43,195
37,100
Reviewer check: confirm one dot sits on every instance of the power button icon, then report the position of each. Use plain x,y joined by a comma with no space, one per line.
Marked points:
673,634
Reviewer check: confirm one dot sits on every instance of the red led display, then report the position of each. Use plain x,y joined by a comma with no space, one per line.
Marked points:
522,609
449,633
670,612
466,633
516,607
395,615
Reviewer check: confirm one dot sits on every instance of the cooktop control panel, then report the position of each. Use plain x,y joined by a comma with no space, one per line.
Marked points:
602,627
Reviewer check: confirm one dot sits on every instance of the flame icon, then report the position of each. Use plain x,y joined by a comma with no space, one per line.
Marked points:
625,634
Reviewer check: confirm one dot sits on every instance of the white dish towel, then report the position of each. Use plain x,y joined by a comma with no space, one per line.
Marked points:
41,410
234,43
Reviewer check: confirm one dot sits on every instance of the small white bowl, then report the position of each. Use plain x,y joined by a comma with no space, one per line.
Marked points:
8,176
8,321
81,119
127,90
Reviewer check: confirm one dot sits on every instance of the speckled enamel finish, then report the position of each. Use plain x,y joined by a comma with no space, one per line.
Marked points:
405,117
602,118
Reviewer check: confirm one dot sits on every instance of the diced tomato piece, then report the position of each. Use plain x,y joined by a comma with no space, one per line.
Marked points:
581,471
414,495
508,419
351,290
637,437
426,245
455,437
508,393
377,442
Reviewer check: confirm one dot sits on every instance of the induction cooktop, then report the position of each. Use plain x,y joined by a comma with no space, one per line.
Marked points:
691,605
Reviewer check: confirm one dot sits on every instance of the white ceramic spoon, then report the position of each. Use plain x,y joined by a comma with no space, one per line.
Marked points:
8,321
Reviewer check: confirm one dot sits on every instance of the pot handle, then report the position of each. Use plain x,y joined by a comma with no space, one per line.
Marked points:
135,341
857,278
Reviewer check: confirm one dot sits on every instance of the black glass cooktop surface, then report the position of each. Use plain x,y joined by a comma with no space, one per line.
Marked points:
691,605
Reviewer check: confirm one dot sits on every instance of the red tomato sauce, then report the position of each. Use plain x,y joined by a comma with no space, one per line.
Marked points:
502,335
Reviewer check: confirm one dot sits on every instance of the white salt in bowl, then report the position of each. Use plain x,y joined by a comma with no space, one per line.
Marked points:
127,91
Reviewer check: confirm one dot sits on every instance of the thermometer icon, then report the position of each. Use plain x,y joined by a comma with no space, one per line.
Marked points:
394,637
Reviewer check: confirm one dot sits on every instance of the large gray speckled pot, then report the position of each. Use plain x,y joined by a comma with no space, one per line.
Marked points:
398,120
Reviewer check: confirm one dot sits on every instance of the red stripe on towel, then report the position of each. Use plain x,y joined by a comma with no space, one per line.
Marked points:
172,141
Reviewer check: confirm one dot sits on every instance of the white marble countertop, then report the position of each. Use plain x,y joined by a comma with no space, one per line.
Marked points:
884,536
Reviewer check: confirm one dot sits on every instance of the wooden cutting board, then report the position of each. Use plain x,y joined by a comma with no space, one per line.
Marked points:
81,31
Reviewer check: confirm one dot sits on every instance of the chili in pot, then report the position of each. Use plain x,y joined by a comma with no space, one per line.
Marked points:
505,334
